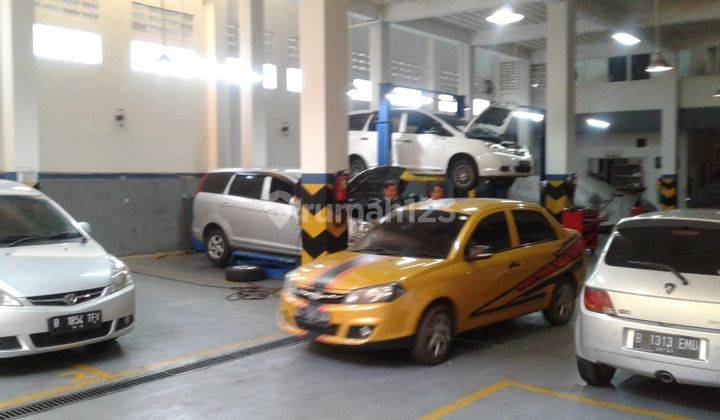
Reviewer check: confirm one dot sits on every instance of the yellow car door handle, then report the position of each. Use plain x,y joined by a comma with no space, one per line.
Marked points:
515,264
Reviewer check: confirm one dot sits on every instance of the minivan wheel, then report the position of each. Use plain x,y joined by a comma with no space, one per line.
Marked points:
562,305
463,174
595,374
217,247
357,165
433,339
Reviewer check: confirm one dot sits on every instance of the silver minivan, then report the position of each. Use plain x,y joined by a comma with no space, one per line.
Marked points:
249,209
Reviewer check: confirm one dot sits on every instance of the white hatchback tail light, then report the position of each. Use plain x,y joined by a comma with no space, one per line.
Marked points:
598,300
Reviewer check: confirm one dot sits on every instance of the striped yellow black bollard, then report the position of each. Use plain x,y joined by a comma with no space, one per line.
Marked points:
558,194
667,187
323,223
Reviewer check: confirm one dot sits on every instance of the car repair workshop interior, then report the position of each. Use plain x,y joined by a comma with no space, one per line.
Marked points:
259,209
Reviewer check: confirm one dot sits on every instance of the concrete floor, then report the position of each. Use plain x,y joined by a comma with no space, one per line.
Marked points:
521,368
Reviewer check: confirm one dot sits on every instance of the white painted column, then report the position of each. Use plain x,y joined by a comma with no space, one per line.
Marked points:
669,146
253,139
18,88
466,70
323,101
379,59
431,66
218,98
560,102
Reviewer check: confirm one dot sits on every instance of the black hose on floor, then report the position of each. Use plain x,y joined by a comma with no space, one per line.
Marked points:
252,292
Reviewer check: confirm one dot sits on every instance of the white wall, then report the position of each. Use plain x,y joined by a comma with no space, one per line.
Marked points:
697,91
165,122
622,145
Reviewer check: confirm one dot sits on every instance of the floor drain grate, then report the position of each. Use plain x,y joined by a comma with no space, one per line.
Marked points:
122,385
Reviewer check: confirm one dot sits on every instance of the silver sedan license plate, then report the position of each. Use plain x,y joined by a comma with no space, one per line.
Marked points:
670,344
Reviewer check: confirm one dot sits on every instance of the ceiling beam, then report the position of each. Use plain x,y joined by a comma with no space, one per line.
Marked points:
436,30
423,9
504,35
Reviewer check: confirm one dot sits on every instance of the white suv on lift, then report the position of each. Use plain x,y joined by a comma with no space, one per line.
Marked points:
435,144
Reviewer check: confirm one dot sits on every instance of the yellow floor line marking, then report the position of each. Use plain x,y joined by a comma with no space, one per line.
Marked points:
76,375
107,376
485,392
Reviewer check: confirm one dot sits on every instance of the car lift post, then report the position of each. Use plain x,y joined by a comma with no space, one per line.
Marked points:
383,121
383,126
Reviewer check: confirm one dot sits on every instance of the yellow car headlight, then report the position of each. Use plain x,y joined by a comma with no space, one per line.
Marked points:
374,294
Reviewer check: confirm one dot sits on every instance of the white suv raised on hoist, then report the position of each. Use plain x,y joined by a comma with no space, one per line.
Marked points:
433,144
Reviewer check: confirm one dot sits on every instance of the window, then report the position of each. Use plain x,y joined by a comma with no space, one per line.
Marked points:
419,123
150,57
23,216
269,76
533,227
249,186
357,121
492,231
56,43
164,26
687,249
479,105
215,182
293,80
394,120
281,191
639,63
617,69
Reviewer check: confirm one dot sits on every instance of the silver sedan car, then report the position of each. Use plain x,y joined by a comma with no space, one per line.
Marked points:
59,288
652,306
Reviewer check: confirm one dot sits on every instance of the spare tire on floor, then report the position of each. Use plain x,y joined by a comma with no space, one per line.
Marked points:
244,273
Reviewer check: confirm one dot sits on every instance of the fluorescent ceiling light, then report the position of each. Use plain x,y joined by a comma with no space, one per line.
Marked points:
479,105
56,43
527,115
626,38
658,63
504,16
592,122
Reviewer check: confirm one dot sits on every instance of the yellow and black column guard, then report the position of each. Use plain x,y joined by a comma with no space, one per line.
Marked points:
558,193
323,222
667,188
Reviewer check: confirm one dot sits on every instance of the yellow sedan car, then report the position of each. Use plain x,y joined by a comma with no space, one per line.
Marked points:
434,269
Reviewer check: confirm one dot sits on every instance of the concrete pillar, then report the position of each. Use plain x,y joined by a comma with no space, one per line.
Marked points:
560,105
19,151
323,123
379,59
466,71
218,98
253,139
432,72
668,183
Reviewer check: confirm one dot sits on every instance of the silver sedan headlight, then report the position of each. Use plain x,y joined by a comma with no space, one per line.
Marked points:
120,277
6,299
375,294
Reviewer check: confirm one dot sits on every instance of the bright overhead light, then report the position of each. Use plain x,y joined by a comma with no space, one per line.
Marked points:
592,122
717,93
504,16
658,63
626,38
527,115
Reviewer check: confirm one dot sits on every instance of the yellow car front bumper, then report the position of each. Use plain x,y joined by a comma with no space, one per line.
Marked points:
391,322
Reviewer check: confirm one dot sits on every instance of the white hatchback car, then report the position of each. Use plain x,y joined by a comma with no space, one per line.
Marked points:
439,144
59,288
652,305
